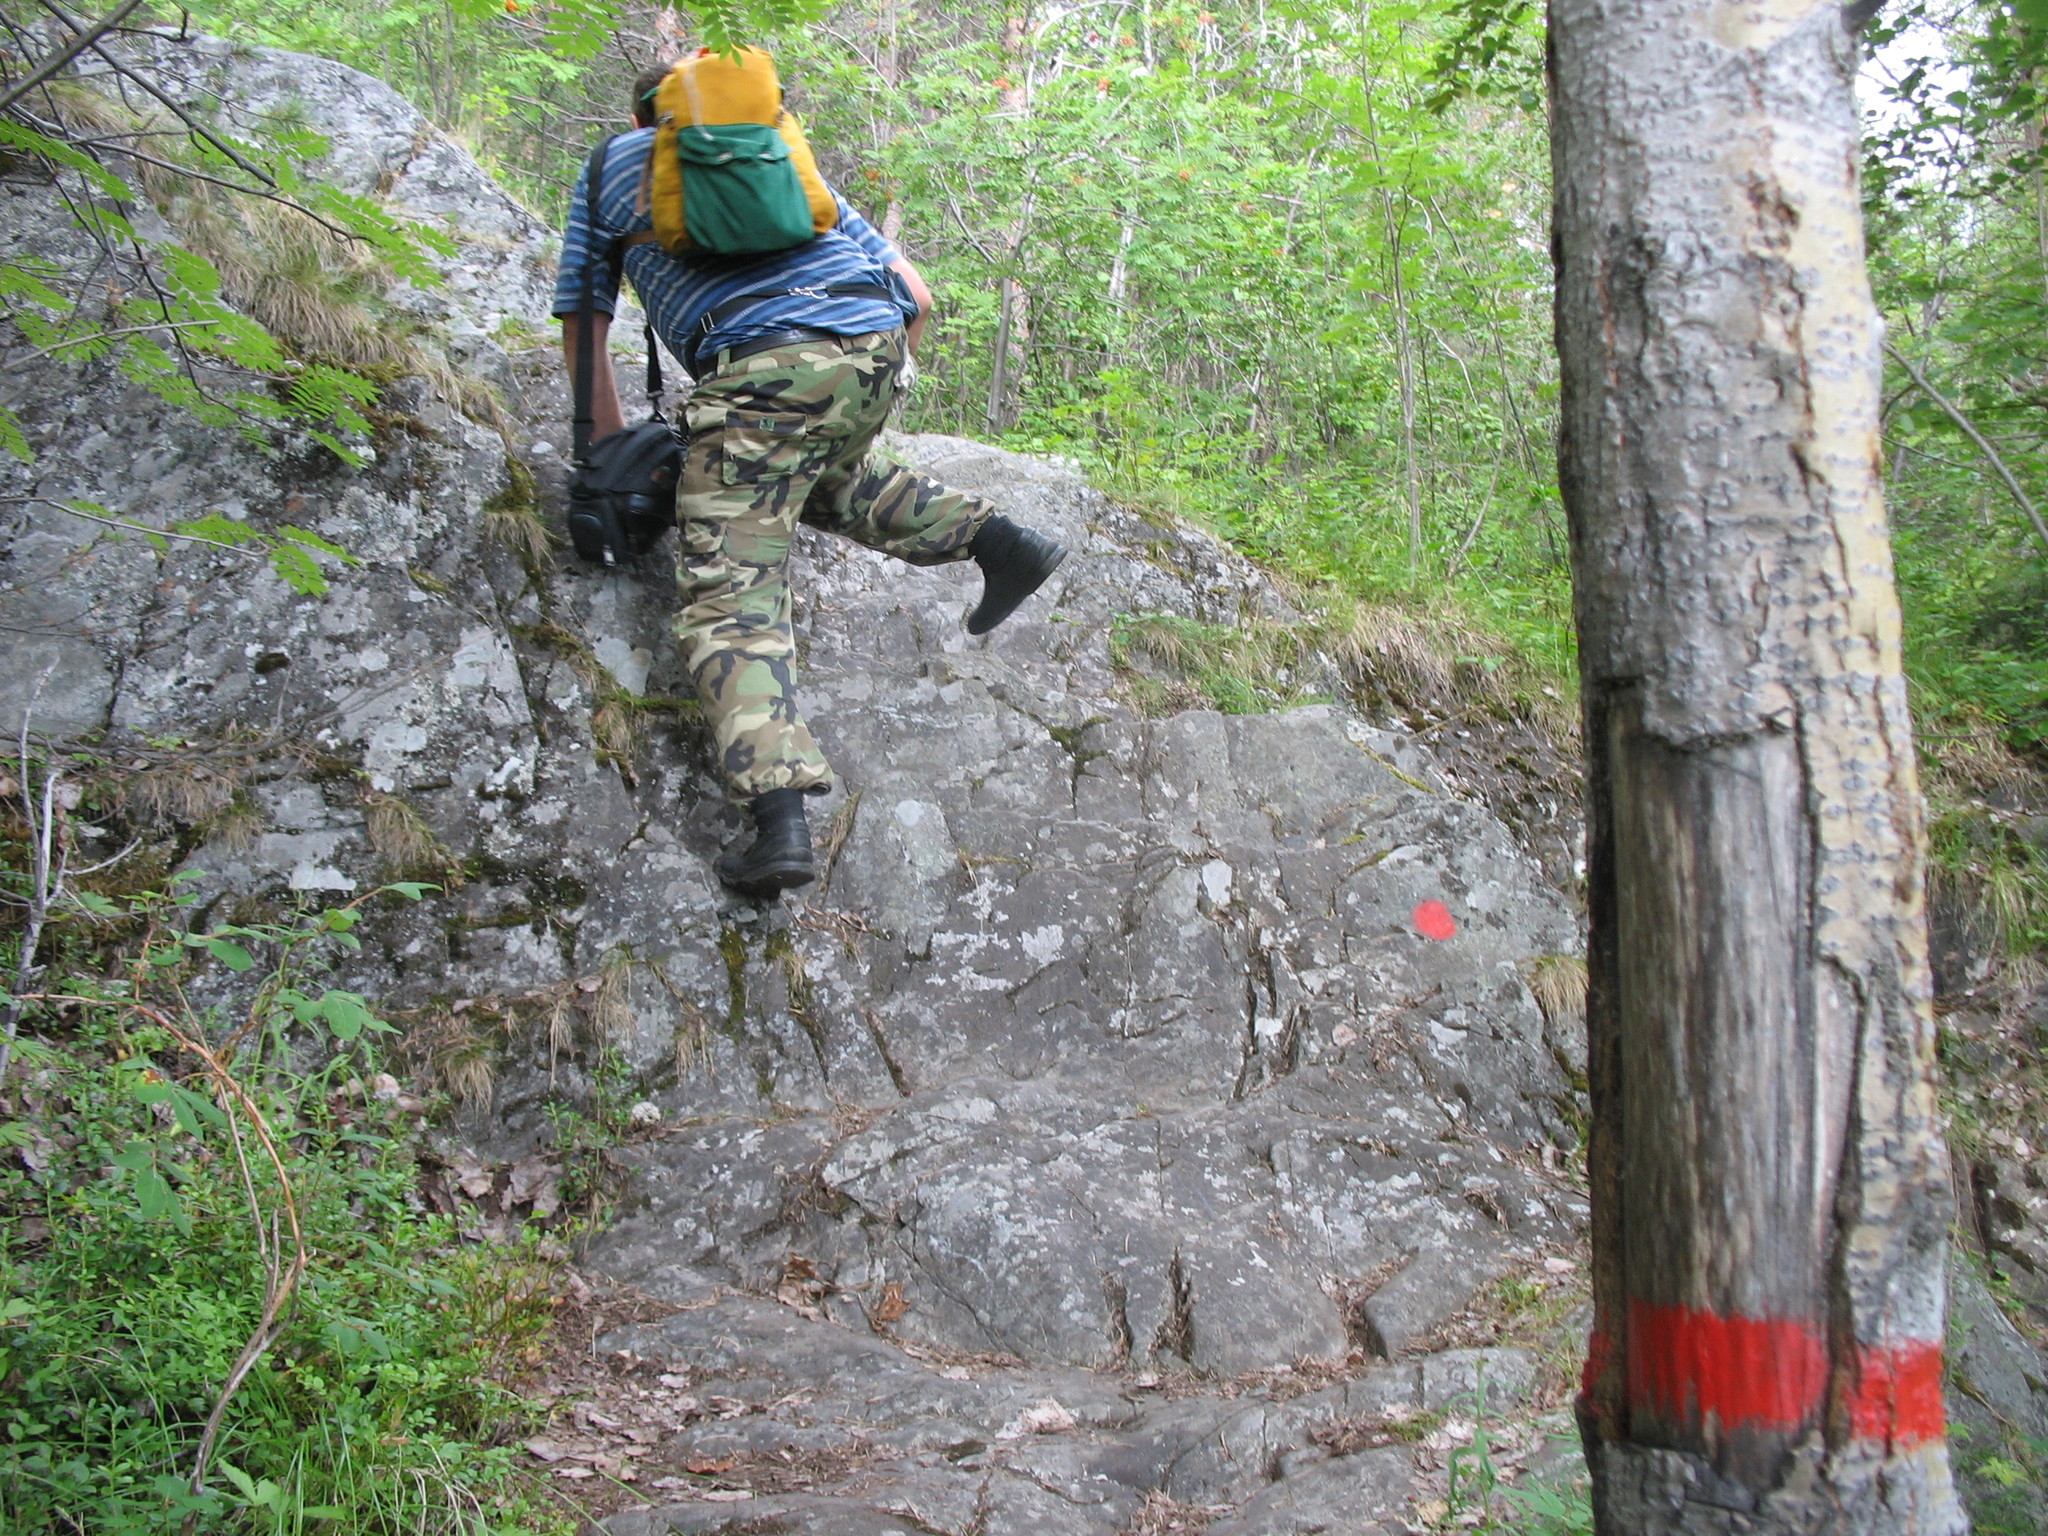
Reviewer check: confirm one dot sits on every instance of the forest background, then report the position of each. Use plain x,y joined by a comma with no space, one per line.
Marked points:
1283,269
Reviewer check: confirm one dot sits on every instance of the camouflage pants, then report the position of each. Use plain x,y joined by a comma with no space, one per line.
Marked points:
775,439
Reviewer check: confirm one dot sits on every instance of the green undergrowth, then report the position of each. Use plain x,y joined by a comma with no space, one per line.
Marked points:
1335,537
205,1216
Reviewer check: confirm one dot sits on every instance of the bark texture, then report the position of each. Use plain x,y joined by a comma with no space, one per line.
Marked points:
1769,1206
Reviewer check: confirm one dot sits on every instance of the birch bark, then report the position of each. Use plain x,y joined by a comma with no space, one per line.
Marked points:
1770,1207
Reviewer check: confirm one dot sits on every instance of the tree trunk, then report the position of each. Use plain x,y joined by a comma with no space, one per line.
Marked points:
1404,364
1769,1202
891,71
1013,319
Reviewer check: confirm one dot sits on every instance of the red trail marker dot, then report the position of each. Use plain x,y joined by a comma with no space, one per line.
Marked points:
1433,920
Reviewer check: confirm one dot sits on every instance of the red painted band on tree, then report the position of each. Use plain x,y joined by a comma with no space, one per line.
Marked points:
1686,1366
1897,1397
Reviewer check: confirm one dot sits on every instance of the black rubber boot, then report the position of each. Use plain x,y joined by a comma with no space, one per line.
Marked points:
1014,564
780,855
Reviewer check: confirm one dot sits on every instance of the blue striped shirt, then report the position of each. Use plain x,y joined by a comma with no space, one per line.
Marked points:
676,292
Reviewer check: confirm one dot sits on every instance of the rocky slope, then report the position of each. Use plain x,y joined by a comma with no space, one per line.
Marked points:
1118,1132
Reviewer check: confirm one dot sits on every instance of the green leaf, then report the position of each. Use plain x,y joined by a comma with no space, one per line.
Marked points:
154,1197
30,142
222,530
348,1015
298,569
314,541
12,440
229,954
411,890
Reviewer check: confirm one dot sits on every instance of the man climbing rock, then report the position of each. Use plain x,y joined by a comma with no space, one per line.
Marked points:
798,354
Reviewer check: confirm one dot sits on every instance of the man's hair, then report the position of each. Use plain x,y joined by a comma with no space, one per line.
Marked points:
644,85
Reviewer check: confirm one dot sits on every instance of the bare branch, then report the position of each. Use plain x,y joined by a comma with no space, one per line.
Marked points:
86,341
129,527
1970,431
109,863
199,129
113,142
40,894
86,38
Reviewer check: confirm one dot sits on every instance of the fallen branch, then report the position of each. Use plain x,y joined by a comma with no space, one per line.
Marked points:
1991,454
46,880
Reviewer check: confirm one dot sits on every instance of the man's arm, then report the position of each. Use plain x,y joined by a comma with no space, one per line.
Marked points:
606,416
914,333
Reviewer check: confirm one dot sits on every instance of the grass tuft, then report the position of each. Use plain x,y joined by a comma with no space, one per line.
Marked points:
512,521
408,846
1558,983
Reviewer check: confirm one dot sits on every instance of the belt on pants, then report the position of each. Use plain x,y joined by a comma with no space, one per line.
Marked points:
769,343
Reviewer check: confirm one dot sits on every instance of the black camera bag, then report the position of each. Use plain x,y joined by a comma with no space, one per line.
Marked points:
622,496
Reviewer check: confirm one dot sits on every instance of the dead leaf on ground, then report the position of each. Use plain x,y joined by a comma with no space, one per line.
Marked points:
704,1468
475,1176
892,1305
536,1180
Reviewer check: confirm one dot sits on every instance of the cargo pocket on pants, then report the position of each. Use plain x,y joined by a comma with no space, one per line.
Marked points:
754,448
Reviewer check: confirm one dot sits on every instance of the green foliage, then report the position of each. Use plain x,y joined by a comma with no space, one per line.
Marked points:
1252,279
174,312
2003,1477
1958,223
519,81
168,1161
1480,1500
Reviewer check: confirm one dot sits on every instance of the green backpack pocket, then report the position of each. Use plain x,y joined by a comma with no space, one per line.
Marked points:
741,194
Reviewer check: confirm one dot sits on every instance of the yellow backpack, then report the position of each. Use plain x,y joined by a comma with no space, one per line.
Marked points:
731,172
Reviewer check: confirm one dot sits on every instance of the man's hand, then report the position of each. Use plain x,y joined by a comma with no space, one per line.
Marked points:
606,416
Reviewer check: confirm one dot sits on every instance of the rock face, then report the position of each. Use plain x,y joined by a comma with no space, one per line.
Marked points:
1164,1061
1199,1045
